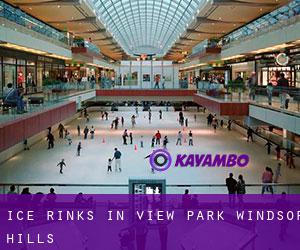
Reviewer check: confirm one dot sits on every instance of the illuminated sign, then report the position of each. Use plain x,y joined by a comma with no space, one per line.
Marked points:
282,59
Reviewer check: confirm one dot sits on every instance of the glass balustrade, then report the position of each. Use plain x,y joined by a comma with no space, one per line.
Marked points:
21,18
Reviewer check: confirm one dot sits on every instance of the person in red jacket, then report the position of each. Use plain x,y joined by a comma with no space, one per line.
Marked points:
157,137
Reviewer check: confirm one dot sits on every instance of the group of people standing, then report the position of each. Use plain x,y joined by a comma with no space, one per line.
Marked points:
125,135
156,139
212,121
183,121
235,187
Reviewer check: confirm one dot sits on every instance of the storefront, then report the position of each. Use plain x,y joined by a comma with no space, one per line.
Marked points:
269,70
242,69
214,73
76,70
28,71
271,74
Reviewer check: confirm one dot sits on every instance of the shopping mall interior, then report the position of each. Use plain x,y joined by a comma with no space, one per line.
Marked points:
91,89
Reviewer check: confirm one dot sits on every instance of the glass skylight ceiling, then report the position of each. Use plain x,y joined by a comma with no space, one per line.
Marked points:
146,26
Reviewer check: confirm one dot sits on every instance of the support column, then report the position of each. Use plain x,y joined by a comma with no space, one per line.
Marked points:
288,139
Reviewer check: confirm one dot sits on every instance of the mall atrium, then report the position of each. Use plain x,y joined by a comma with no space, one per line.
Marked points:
124,96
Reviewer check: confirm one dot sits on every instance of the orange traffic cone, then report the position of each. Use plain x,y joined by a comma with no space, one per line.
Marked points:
135,147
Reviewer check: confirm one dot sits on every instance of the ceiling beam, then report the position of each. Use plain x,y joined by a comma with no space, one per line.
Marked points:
208,20
193,31
109,45
48,3
180,44
104,39
92,31
244,4
91,20
188,39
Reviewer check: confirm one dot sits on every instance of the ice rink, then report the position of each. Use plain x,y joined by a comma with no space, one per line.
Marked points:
38,165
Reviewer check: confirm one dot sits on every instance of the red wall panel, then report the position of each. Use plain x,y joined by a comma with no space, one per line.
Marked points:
234,109
55,115
17,130
45,120
31,126
2,143
222,108
13,133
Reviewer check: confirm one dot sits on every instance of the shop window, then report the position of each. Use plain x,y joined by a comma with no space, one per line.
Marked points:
30,78
21,62
10,74
298,76
30,63
272,74
8,60
39,80
21,76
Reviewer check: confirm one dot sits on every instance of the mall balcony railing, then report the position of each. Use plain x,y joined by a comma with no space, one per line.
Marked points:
278,18
85,44
19,17
239,92
170,188
106,83
42,98
210,46
266,133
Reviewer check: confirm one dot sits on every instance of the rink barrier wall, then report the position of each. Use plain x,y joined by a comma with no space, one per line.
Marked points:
33,128
130,109
223,108
144,98
146,92
261,141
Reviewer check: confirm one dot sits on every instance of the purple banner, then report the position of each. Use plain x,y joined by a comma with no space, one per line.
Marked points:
144,222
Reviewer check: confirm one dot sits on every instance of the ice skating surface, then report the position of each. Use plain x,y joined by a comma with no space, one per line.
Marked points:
38,165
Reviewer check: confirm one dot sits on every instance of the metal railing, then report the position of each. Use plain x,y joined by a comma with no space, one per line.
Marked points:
21,18
265,22
85,44
241,94
207,43
45,97
170,188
